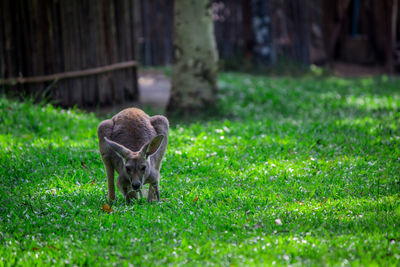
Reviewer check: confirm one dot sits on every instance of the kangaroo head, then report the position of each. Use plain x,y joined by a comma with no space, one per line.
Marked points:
136,166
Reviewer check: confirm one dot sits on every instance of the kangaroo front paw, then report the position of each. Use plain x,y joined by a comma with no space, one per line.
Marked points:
154,195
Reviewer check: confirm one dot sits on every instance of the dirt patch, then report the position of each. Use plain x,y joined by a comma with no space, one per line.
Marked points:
354,70
154,92
154,89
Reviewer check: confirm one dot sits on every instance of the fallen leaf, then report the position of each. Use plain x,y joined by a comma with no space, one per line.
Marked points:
278,222
107,208
35,249
197,198
84,165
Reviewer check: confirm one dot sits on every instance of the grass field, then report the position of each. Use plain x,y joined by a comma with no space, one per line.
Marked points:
298,171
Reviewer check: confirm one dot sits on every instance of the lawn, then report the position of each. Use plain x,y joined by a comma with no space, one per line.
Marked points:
301,171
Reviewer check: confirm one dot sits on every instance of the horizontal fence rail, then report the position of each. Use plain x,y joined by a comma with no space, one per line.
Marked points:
70,74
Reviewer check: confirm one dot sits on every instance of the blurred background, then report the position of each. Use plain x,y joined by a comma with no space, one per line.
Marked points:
112,52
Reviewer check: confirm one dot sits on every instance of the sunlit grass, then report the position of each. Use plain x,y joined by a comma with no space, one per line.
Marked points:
292,171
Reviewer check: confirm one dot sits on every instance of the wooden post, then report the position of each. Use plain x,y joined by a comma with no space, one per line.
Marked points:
336,30
391,39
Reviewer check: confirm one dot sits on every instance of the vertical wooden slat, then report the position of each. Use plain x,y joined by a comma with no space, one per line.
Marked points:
88,52
65,15
2,40
248,37
93,53
17,32
131,75
10,71
116,18
57,42
38,38
78,25
130,46
300,30
125,45
47,48
145,24
84,35
30,67
168,37
42,45
76,55
49,44
129,24
110,50
391,38
51,37
136,23
104,90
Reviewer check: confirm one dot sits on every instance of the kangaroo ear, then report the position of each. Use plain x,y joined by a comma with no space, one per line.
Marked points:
152,147
120,150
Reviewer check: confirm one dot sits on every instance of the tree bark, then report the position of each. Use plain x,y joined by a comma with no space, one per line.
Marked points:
194,73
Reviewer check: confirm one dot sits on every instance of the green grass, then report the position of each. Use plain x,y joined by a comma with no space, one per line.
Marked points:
298,171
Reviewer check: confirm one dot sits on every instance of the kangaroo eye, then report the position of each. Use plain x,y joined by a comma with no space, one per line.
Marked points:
129,168
143,168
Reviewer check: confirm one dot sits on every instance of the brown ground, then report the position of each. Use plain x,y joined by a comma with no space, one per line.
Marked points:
154,90
353,70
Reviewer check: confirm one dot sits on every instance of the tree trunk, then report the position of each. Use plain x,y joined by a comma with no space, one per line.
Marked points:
194,72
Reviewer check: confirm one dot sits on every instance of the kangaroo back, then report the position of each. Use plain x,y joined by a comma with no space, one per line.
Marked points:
132,128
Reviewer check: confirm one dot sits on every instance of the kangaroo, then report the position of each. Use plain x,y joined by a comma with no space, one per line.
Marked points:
133,144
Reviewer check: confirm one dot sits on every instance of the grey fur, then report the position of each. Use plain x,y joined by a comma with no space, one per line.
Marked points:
133,144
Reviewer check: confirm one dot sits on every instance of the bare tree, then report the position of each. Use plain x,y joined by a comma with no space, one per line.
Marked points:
194,72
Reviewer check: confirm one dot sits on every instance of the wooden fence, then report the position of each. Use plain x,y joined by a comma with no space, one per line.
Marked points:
155,30
266,31
82,52
242,30
233,29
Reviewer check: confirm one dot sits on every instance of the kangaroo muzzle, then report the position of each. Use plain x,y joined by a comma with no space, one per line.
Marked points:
136,185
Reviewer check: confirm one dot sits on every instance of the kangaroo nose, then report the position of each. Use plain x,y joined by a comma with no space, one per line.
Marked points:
136,185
